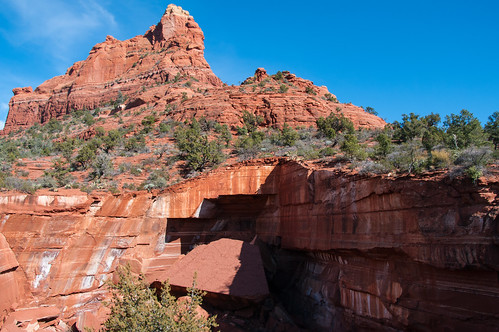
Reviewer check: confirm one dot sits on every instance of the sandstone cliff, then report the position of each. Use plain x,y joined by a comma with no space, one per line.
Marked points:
343,251
166,66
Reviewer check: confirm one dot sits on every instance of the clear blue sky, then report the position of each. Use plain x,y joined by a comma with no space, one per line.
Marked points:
396,56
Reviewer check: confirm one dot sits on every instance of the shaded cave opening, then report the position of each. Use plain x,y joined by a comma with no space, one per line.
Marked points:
227,216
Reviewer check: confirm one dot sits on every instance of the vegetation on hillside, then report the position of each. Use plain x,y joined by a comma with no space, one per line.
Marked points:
147,150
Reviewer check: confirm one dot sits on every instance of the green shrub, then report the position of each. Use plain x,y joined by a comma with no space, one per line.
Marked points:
251,122
288,136
158,179
283,88
195,147
370,110
352,148
135,307
85,156
463,130
278,76
310,91
102,166
474,173
88,119
384,146
330,97
333,124
135,144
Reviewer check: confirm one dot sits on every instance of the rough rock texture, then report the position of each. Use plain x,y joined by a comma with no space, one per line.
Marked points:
173,47
166,66
224,267
346,251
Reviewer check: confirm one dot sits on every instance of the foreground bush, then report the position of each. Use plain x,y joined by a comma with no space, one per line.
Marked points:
135,307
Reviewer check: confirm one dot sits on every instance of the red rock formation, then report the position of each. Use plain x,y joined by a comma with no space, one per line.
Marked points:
173,47
353,251
166,66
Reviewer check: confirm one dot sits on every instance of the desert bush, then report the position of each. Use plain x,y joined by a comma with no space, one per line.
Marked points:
440,158
112,140
84,157
102,166
333,124
158,179
287,136
330,97
408,157
136,144
283,88
88,119
53,126
310,91
135,307
60,171
47,181
474,156
250,123
225,134
370,110
13,183
352,148
371,167
327,152
195,147
474,173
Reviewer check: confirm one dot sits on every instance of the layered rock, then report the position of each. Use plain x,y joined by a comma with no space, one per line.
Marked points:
344,251
166,67
172,48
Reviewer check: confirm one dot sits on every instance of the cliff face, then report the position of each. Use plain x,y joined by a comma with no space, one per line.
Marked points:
173,47
166,66
344,251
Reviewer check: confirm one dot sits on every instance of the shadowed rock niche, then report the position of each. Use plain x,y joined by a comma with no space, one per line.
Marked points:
216,245
227,216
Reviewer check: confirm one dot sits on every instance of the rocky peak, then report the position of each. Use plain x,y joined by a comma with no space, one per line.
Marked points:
176,28
260,75
166,67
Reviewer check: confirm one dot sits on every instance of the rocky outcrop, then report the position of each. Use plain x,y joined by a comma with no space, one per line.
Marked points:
341,251
172,48
166,68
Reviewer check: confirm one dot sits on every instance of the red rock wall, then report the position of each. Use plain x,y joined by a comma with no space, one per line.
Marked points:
370,252
67,244
379,252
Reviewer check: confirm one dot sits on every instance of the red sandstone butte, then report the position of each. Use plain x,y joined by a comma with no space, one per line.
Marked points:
166,66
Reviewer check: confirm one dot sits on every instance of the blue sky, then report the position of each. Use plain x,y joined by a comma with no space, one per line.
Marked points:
396,56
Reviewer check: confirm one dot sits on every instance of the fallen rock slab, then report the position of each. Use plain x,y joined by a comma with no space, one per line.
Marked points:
225,267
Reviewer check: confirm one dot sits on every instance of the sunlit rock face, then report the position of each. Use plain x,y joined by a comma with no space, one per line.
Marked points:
343,251
166,68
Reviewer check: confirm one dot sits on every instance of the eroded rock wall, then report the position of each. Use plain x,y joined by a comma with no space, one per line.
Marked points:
348,251
62,247
380,252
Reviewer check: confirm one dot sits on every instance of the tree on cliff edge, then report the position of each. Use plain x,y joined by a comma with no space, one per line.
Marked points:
135,307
